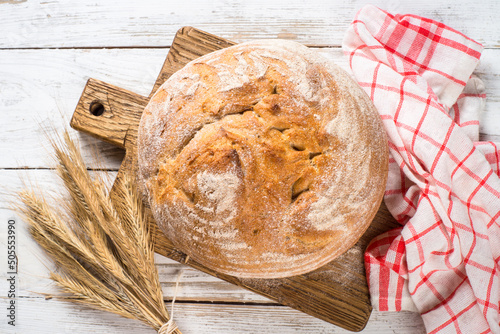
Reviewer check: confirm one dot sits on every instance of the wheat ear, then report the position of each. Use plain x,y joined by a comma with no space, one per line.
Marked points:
101,244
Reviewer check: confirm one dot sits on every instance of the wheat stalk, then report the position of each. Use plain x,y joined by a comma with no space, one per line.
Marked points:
101,244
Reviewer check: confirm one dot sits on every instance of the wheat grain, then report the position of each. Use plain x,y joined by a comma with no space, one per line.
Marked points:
101,244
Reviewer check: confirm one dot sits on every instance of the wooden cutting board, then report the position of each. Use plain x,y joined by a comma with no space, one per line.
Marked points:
336,293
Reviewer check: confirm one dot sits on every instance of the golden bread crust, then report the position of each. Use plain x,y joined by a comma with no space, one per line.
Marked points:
262,160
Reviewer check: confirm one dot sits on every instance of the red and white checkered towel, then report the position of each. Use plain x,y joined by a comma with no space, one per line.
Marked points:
443,184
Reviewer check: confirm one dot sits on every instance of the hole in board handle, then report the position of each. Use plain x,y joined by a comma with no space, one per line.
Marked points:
96,108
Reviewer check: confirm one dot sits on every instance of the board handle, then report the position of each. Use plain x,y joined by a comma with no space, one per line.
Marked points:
109,113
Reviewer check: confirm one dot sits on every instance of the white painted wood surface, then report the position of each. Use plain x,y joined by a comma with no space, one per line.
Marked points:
48,49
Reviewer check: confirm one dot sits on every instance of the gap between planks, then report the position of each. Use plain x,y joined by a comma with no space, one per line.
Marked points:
178,300
168,46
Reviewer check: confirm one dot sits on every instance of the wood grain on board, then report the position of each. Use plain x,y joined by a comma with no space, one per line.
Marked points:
336,293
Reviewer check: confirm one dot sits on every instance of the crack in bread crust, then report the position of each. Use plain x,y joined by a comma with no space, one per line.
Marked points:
262,160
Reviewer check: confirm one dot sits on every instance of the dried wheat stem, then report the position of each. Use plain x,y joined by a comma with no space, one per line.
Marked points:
101,244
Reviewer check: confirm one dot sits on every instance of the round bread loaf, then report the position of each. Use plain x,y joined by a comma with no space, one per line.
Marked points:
262,160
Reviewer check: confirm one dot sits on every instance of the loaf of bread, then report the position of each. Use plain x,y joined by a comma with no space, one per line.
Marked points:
262,160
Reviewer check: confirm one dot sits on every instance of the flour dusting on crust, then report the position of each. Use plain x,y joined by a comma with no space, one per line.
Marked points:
262,160
220,189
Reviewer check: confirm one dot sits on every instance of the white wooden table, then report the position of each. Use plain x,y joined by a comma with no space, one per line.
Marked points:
48,49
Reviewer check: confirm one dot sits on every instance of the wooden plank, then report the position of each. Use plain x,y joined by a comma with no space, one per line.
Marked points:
40,89
111,23
52,316
40,86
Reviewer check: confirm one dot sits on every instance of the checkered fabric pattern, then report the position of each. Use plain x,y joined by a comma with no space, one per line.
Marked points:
443,185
